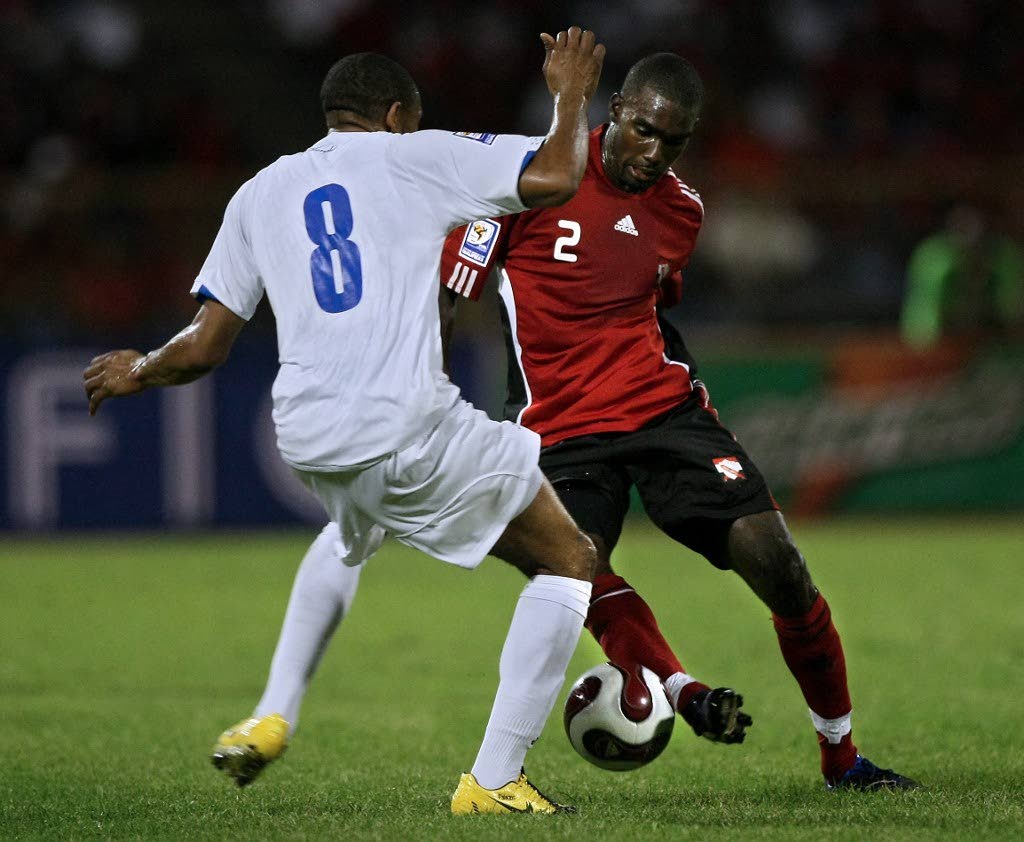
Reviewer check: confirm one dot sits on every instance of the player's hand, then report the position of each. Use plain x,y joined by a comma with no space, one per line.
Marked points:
704,397
572,62
112,375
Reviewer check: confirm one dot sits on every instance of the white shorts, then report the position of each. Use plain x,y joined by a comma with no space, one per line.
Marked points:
450,494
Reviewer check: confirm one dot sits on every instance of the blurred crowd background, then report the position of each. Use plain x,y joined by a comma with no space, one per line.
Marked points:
856,299
838,136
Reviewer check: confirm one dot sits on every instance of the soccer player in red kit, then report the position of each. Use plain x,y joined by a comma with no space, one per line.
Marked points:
609,385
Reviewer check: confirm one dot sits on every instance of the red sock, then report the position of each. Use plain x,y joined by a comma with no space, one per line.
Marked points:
814,654
622,623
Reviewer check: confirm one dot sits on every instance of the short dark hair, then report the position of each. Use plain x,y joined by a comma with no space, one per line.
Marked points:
670,75
367,84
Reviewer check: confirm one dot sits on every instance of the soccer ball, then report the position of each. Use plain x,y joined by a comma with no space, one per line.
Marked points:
618,720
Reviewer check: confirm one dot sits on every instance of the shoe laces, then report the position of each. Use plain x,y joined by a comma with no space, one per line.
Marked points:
525,782
866,767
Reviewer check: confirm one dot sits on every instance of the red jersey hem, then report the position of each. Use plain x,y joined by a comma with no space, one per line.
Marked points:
547,440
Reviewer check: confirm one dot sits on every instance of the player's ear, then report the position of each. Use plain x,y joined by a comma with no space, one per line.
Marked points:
689,137
393,119
615,107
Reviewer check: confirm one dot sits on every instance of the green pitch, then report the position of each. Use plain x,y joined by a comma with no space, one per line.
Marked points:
123,658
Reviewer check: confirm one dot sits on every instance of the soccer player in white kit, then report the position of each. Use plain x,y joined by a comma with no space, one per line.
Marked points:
345,240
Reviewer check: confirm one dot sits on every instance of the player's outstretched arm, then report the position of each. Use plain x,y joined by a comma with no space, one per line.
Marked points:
572,68
196,350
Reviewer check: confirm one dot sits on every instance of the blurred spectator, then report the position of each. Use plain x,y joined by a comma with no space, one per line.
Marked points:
758,247
832,132
965,279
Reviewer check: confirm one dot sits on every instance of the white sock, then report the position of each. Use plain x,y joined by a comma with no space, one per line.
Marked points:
674,685
545,628
323,592
832,730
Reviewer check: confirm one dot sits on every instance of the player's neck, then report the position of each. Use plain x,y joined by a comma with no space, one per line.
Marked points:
349,122
612,174
352,127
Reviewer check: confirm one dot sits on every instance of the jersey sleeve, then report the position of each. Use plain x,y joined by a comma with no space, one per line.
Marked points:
689,219
470,254
466,176
688,216
229,274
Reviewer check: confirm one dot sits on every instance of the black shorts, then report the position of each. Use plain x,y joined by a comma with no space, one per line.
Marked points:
693,478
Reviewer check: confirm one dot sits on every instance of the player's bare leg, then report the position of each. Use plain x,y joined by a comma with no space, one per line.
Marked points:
544,540
546,545
761,550
627,631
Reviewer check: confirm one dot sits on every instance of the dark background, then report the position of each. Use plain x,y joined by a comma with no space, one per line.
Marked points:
836,137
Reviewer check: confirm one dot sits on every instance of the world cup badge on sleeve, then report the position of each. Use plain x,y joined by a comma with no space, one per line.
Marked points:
479,137
479,241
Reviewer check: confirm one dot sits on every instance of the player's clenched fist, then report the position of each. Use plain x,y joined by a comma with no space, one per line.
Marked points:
110,376
572,62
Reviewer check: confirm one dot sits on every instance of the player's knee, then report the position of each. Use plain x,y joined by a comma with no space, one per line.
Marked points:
788,568
766,556
763,545
577,560
794,592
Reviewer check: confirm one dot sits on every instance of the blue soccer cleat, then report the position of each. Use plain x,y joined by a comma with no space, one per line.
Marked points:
865,775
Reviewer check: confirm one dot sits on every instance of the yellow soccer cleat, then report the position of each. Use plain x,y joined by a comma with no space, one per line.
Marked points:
245,749
518,796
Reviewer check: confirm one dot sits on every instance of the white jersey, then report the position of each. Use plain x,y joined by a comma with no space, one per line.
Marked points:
345,239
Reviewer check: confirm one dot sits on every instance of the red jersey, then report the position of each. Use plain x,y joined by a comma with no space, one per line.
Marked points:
579,285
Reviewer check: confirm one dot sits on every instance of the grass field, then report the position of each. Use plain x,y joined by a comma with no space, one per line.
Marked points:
122,659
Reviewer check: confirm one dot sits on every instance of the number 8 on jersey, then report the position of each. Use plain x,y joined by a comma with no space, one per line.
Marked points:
335,264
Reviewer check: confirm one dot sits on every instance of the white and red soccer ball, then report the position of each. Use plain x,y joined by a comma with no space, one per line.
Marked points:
618,720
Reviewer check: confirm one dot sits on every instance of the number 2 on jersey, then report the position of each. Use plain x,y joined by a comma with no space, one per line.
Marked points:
571,239
335,264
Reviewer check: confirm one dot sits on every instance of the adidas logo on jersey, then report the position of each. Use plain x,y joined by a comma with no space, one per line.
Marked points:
626,226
